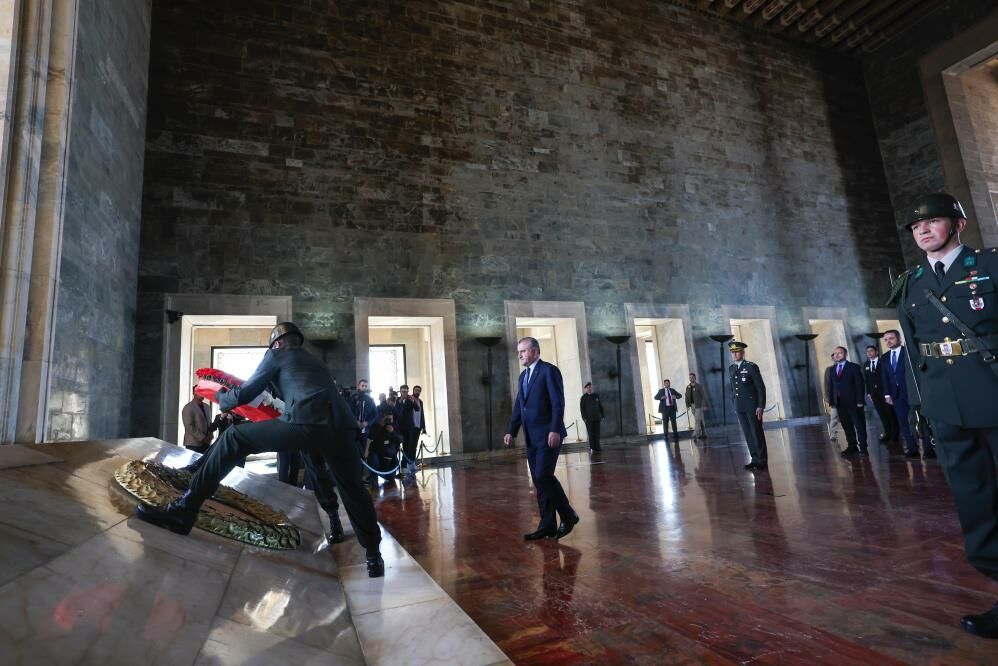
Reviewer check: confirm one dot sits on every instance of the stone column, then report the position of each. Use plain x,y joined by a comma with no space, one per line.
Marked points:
39,105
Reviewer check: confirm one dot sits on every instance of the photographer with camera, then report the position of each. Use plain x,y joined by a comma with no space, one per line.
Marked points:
384,451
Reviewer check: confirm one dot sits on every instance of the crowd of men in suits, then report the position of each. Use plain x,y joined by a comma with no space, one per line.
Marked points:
884,380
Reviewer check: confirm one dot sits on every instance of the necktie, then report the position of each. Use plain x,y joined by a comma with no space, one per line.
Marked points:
526,379
839,371
940,269
894,359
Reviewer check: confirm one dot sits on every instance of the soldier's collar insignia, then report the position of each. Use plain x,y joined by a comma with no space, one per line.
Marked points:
918,273
969,260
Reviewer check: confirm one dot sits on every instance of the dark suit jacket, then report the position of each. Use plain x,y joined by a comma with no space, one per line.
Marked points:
660,396
874,380
304,384
541,408
404,420
591,407
197,431
847,390
895,384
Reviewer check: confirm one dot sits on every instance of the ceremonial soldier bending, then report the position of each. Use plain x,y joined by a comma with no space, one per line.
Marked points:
749,394
316,420
948,308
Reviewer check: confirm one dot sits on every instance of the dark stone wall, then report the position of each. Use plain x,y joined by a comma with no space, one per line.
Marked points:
911,160
599,152
93,346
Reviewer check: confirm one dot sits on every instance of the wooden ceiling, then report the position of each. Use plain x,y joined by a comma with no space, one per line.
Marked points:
849,26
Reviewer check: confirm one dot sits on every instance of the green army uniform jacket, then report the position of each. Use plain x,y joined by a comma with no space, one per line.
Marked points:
959,389
747,388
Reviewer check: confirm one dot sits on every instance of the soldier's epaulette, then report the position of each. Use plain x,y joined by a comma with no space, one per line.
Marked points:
898,289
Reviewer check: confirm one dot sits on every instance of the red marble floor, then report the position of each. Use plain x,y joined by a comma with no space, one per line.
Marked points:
684,557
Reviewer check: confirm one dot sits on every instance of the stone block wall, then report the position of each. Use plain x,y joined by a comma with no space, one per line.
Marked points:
93,347
980,88
601,152
907,138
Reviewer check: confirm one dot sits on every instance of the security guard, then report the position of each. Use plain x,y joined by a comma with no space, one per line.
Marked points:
749,394
948,308
316,419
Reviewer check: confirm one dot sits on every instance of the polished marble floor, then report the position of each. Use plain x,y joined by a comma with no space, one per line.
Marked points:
684,557
83,582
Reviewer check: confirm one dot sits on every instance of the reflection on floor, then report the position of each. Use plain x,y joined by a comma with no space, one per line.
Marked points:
84,582
682,556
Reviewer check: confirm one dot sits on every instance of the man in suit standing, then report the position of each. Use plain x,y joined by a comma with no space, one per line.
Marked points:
411,419
875,390
696,402
667,407
197,431
894,372
748,392
591,409
316,420
834,425
540,410
846,392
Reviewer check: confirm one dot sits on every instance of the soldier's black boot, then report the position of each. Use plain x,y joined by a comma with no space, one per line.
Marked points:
984,625
375,566
335,529
178,516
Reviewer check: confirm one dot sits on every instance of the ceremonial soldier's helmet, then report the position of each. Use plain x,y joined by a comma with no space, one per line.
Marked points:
283,329
928,206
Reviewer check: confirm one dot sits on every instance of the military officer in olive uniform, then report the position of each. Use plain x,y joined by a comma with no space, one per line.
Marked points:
749,394
948,308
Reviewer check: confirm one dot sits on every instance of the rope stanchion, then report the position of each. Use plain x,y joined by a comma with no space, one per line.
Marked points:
380,472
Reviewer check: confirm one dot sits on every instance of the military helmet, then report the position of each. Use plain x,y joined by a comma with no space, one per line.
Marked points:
928,206
285,328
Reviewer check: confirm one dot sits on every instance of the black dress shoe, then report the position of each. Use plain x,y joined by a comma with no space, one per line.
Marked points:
335,530
175,516
751,465
884,438
984,625
375,566
849,451
539,534
930,454
566,527
760,467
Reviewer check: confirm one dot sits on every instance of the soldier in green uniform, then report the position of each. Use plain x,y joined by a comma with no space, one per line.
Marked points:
749,394
948,308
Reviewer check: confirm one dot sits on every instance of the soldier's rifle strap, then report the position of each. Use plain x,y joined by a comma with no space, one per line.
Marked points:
984,347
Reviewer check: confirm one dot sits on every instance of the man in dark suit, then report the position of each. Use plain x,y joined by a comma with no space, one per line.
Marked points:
591,409
895,371
846,392
540,410
411,419
197,428
316,420
748,391
667,407
875,390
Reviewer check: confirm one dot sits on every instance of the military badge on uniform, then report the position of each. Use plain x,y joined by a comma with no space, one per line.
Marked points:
977,303
969,261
